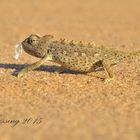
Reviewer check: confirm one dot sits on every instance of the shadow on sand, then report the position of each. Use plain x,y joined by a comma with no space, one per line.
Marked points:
47,68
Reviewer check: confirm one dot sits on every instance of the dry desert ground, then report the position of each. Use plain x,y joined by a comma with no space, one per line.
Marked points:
44,105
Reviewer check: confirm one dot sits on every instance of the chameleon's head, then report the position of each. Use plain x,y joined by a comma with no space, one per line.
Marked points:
36,45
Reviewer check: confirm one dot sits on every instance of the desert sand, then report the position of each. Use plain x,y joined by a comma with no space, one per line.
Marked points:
44,105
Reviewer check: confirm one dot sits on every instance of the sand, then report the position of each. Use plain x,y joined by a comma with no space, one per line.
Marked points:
47,106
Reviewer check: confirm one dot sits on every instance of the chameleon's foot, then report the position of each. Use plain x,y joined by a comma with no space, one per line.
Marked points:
20,74
17,74
59,70
23,71
108,79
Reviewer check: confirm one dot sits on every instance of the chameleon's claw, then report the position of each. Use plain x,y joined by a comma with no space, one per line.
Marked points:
108,79
20,74
17,74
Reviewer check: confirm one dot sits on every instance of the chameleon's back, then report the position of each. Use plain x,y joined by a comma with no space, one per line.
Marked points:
76,56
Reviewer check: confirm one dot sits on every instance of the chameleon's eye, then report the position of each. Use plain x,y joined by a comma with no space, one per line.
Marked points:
29,41
32,41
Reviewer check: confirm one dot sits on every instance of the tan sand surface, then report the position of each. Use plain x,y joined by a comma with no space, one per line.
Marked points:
47,106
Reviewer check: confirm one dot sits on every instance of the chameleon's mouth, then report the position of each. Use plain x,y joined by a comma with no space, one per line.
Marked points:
18,50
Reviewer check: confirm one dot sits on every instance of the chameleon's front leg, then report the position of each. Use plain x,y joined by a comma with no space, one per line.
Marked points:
32,66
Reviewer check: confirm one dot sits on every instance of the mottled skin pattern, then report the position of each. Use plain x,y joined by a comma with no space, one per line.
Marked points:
80,57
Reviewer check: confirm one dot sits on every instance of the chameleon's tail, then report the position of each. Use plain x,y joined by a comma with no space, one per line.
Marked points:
132,55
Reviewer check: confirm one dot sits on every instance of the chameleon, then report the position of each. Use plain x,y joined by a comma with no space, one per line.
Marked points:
77,56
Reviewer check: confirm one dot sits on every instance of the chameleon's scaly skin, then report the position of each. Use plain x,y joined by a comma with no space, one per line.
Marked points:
75,56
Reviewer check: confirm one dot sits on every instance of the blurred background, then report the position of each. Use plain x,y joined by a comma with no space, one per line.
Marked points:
110,22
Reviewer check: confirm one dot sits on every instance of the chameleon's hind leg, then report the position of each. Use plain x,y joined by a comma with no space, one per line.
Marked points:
33,66
93,70
106,66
